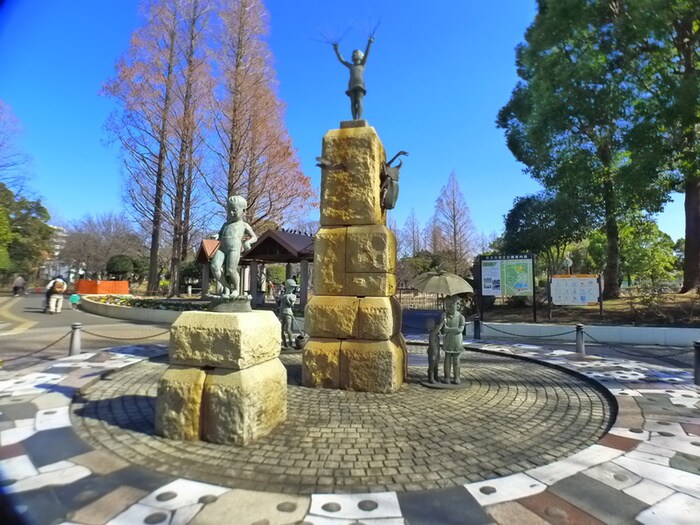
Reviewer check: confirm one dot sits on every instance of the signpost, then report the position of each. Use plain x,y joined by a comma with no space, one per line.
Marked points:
506,276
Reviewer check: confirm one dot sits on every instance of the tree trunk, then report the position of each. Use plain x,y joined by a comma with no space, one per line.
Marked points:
691,265
611,273
153,273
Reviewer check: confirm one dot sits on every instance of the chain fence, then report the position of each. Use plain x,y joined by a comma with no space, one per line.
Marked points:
87,332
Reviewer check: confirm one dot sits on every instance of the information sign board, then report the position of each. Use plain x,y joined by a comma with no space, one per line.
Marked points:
506,275
575,289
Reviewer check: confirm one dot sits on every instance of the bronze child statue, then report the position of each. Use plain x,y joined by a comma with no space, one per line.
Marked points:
433,348
452,327
287,313
356,86
235,236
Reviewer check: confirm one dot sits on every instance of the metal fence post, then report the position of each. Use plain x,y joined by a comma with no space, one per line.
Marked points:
477,327
580,343
696,344
75,339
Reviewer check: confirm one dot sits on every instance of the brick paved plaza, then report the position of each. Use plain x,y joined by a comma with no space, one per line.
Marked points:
513,416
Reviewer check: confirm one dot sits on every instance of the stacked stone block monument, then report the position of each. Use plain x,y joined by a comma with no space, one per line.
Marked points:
225,383
353,320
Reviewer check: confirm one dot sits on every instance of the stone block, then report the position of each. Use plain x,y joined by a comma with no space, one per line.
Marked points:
372,366
329,261
332,316
370,284
379,318
320,367
178,403
244,405
350,187
370,249
225,340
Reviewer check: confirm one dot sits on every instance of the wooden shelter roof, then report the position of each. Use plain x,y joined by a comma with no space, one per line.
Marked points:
281,246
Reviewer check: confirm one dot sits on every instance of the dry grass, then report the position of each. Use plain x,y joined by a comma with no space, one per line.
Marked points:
638,309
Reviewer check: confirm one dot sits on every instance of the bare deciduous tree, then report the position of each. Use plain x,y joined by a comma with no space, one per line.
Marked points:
452,215
12,160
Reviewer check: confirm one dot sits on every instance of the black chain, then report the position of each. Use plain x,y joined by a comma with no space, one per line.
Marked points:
126,338
40,350
527,336
637,354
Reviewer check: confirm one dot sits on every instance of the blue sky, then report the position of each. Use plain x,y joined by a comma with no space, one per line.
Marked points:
436,77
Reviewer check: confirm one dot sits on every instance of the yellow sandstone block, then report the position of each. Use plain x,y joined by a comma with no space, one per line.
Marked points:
350,186
178,403
329,261
320,367
332,316
370,249
243,405
372,366
370,284
226,340
379,318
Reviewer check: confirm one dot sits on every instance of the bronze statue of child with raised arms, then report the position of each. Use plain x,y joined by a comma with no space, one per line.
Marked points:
235,236
356,85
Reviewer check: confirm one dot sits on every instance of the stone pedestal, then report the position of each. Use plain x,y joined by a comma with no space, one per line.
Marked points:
226,383
353,322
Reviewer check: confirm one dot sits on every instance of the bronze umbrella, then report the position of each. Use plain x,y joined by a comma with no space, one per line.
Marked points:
441,282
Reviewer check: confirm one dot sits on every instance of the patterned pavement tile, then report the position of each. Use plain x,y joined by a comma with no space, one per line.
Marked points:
648,491
17,468
100,462
62,476
108,506
593,455
618,442
513,512
613,475
453,505
43,449
181,493
678,480
139,513
556,510
596,498
679,509
39,506
506,488
252,506
356,506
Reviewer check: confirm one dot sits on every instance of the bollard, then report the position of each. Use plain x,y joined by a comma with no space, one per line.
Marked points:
580,343
477,327
189,289
75,339
696,344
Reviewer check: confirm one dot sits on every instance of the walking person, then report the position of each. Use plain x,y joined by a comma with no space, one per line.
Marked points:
18,285
54,295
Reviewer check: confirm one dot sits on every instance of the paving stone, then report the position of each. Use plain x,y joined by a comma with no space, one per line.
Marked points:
277,509
141,514
39,506
589,457
613,475
63,476
108,506
679,509
556,510
51,446
505,489
181,493
513,512
596,498
99,462
648,491
686,462
452,505
618,442
678,480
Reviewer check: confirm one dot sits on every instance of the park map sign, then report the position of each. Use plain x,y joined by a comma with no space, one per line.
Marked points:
506,275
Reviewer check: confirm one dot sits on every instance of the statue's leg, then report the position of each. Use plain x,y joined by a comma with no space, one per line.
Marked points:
358,107
457,370
217,268
446,368
437,362
431,368
232,272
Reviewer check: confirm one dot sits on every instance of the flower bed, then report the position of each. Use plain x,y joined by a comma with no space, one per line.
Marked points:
153,304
